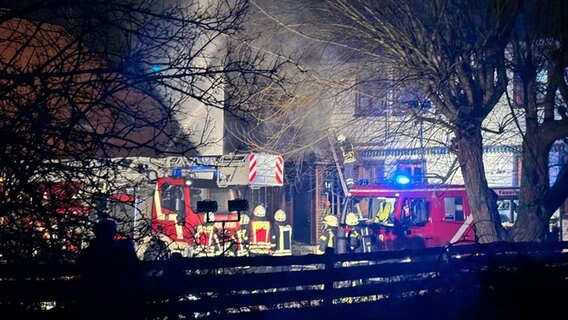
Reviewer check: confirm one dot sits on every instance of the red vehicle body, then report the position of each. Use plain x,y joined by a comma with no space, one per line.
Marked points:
160,214
169,212
437,215
174,209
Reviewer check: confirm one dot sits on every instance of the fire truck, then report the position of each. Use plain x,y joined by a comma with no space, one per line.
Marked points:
166,213
420,216
160,203
401,215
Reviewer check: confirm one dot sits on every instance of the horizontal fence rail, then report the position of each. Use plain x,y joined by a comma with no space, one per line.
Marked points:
465,281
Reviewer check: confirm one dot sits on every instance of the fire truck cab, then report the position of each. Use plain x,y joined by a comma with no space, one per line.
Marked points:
414,216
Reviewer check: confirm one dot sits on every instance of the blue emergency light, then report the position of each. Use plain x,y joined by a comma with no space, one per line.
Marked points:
176,172
401,179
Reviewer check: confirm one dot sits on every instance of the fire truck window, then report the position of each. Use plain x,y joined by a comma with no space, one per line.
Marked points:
362,207
453,208
383,209
419,209
195,195
169,195
222,196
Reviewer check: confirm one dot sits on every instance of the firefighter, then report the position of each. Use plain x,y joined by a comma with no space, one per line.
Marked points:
206,238
261,236
406,218
111,274
354,235
349,159
241,237
283,234
327,239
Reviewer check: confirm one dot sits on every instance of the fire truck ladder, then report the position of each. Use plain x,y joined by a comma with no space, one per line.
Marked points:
331,138
341,246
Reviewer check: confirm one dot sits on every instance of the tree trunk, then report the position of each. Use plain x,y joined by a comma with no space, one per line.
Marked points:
482,199
532,214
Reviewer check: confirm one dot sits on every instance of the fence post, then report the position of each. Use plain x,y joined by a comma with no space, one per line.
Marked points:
328,281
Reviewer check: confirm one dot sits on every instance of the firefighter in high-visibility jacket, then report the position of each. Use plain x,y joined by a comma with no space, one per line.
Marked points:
355,236
327,239
261,235
241,237
283,233
349,159
206,238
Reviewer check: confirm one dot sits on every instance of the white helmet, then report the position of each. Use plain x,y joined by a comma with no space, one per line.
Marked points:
330,220
341,138
244,219
280,215
259,211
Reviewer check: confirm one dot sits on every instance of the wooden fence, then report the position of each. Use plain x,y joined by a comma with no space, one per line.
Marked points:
494,281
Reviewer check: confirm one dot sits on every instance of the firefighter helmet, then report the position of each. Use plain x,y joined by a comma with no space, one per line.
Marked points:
330,220
259,211
244,219
351,219
341,138
280,215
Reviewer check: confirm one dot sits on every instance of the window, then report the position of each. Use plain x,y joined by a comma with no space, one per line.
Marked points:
221,196
414,212
419,211
414,169
382,210
381,97
507,211
518,90
453,209
410,98
371,99
372,172
172,195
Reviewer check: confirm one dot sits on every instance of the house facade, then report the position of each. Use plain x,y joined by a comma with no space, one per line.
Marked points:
390,141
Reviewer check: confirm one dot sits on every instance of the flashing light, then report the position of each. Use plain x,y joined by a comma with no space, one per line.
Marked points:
402,179
188,182
176,172
156,68
201,168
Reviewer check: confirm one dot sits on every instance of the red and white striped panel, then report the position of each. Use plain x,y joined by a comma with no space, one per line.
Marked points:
279,169
252,167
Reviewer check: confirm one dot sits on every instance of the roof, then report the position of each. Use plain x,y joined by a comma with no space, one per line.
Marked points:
54,90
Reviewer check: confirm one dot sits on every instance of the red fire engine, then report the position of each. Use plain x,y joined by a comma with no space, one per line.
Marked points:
162,204
419,216
179,208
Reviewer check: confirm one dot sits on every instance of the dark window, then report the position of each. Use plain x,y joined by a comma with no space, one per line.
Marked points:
371,99
171,193
372,172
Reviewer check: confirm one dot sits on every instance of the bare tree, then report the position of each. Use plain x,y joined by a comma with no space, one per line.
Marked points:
88,83
539,51
453,54
457,55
